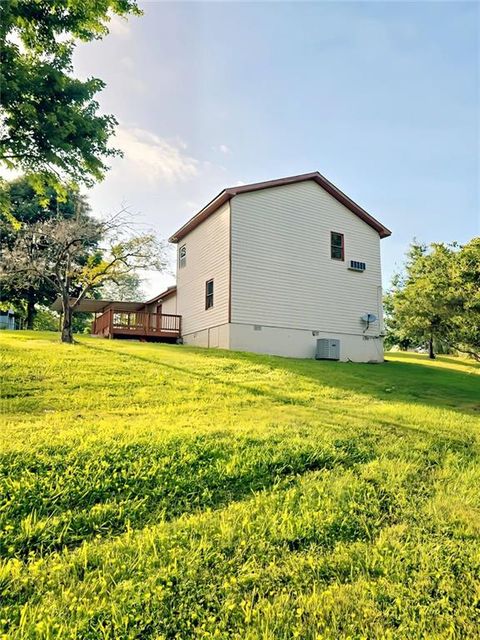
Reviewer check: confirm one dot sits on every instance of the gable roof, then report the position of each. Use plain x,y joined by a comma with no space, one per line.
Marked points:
228,194
170,291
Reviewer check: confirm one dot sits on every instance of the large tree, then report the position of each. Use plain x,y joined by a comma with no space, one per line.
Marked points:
77,255
27,208
437,298
50,125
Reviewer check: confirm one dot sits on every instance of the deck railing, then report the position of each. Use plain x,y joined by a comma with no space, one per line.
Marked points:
101,325
138,323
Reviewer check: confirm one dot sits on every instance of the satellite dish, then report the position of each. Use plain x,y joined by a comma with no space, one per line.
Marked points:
368,318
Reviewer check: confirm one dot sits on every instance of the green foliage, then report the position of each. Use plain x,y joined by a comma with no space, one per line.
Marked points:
50,126
82,322
28,207
437,299
45,320
464,299
154,491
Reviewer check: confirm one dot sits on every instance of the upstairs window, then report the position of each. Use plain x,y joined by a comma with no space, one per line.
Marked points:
182,256
209,294
337,246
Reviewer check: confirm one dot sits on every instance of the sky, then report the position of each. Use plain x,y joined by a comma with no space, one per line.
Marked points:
383,98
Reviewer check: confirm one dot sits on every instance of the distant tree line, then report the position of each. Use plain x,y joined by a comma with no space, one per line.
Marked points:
436,300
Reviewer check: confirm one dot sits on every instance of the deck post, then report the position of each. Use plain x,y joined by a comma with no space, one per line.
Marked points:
110,327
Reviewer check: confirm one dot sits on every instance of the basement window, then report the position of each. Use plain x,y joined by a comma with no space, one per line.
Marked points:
337,246
182,256
209,294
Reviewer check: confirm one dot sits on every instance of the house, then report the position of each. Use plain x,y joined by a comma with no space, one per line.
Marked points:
288,267
8,320
274,267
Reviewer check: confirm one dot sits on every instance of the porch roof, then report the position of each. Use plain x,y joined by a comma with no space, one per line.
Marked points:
90,305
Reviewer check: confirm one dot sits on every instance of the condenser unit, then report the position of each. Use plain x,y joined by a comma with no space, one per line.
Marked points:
327,349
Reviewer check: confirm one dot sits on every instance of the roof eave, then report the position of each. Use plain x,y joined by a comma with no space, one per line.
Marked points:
204,213
164,295
227,194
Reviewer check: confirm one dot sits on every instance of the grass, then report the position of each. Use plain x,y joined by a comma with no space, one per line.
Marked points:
160,492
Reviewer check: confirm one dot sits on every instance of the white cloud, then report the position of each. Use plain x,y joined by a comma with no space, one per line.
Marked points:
153,157
222,148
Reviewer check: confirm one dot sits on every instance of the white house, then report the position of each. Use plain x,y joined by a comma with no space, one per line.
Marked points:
277,266
288,267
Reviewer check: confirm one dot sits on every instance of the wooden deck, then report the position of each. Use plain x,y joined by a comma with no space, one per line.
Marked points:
137,324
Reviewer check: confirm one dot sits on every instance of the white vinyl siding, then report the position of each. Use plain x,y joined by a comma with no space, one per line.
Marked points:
170,305
208,248
282,271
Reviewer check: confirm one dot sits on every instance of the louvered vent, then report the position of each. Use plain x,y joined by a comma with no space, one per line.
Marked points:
327,349
355,265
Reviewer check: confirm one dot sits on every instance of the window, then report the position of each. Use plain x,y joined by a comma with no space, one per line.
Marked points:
182,256
337,246
209,294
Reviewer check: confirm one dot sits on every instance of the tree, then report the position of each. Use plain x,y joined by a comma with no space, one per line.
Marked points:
437,299
463,331
45,320
394,336
50,126
76,255
127,288
28,207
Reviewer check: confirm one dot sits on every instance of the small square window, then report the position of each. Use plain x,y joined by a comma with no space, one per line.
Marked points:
182,257
209,294
337,246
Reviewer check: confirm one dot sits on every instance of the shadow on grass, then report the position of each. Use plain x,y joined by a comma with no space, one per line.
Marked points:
63,497
390,382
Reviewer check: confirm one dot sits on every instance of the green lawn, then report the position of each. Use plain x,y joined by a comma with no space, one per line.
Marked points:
154,491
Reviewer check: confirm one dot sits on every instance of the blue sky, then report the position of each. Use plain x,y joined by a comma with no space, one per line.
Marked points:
380,97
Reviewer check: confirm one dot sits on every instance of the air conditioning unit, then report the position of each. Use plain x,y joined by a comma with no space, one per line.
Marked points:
327,349
355,265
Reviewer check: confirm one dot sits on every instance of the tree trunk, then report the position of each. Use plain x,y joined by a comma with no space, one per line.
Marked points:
67,335
431,352
31,311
